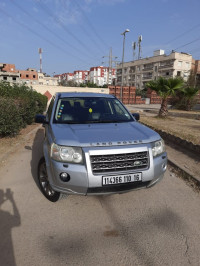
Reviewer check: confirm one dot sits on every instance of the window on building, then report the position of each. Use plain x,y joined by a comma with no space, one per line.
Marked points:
156,68
27,75
138,68
34,76
187,64
178,73
14,78
179,63
4,78
167,73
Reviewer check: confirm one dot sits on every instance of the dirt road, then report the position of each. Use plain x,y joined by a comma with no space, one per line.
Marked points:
159,226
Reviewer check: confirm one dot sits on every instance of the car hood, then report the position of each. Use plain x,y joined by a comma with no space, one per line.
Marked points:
102,134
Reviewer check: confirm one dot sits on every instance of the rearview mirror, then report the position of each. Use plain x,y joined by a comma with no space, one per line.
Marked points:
41,119
136,116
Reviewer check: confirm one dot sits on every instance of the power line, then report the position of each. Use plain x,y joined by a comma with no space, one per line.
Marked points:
49,12
38,35
52,32
187,44
91,25
45,27
182,34
83,29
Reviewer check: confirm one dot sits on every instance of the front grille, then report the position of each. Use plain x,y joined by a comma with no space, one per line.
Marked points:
119,162
118,188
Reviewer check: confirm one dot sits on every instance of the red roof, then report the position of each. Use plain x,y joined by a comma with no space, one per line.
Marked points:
48,95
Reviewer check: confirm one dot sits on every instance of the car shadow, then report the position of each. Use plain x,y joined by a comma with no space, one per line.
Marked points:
7,222
37,154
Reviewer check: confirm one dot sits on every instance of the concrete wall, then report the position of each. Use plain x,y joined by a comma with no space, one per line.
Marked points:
53,89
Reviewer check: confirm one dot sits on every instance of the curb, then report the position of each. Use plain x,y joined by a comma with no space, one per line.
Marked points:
192,180
176,140
187,176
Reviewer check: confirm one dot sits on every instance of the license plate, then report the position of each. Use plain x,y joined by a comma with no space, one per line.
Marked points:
121,179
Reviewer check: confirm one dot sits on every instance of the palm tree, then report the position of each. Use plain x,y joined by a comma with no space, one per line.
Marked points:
189,94
165,88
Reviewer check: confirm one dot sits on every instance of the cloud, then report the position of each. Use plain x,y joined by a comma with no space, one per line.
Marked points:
70,12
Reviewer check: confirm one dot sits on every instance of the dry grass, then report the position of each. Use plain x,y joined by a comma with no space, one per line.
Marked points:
188,129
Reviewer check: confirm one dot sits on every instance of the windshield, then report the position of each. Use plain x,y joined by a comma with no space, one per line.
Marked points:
81,110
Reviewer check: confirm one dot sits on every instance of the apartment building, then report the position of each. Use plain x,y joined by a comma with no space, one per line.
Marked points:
196,71
29,76
65,76
47,80
137,73
102,75
8,73
81,76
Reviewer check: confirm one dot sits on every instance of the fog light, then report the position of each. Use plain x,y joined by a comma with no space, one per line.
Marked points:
65,177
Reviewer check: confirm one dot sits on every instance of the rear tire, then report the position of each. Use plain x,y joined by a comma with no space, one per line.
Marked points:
44,184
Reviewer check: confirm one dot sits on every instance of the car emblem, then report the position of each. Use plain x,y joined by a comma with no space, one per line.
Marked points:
137,163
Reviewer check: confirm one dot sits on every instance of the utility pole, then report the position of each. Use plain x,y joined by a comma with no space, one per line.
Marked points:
40,53
124,34
110,62
134,48
140,48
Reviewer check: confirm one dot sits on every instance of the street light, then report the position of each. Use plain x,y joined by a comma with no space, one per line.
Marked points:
124,33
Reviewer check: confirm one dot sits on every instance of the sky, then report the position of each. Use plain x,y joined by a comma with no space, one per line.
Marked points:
79,34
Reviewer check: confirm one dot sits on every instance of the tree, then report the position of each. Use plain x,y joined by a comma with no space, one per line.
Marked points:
142,93
189,94
193,80
165,88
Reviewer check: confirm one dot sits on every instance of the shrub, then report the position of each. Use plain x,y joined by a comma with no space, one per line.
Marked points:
10,119
24,104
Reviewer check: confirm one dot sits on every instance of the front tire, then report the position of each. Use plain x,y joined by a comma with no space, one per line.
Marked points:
44,184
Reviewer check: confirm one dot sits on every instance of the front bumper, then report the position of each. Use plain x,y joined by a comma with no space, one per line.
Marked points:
84,182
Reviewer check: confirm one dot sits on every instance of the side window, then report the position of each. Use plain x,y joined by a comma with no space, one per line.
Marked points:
49,111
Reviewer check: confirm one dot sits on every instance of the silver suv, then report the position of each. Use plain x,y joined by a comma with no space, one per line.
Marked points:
94,145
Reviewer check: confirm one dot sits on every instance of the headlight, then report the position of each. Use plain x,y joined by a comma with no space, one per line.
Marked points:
66,154
158,147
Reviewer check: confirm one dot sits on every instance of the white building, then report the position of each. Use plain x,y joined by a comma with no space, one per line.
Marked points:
51,81
102,75
137,73
81,76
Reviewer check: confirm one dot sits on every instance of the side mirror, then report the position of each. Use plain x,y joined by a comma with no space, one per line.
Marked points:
136,116
41,119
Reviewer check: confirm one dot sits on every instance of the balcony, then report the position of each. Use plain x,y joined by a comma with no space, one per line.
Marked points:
147,77
147,68
132,70
119,72
166,66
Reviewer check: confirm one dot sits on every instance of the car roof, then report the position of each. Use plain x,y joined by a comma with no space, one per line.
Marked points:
83,94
